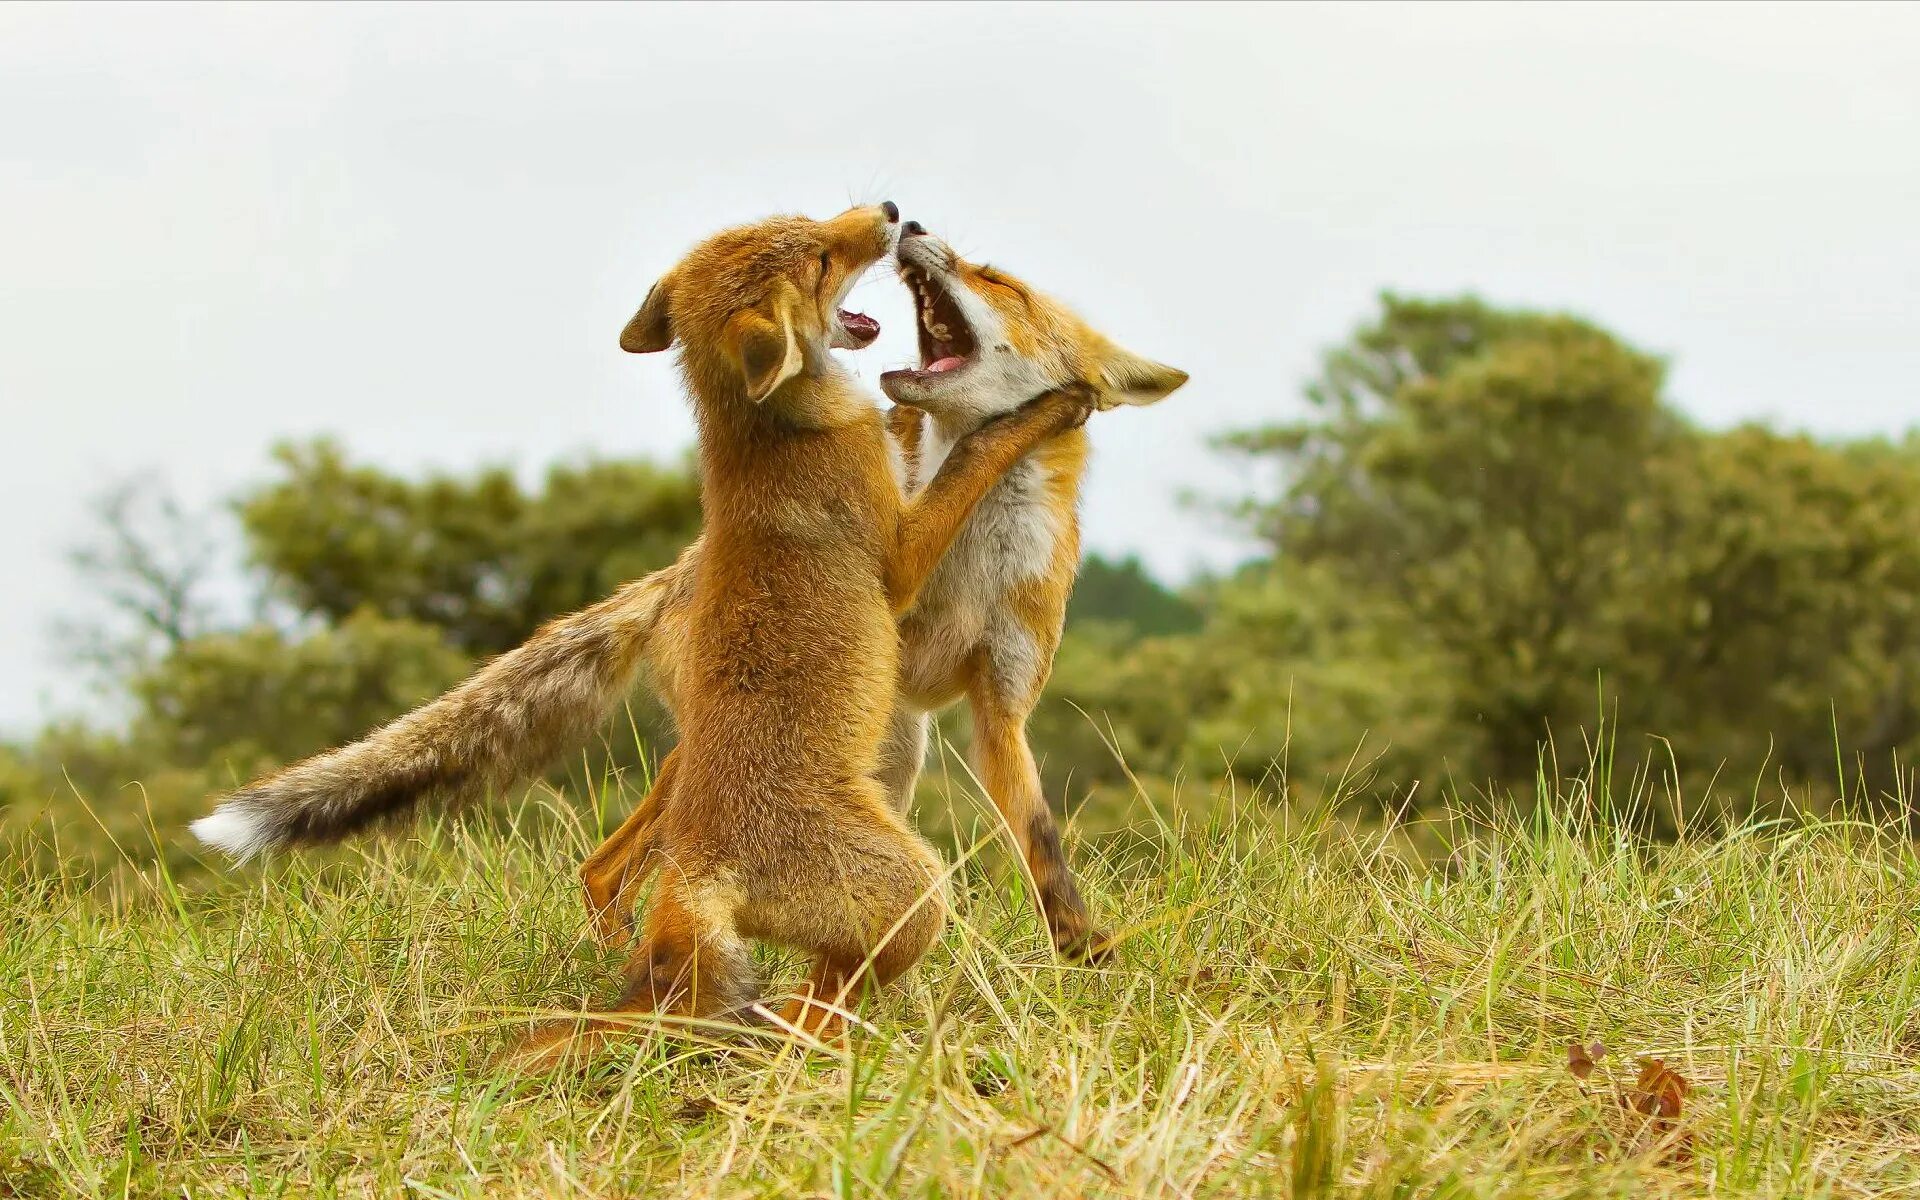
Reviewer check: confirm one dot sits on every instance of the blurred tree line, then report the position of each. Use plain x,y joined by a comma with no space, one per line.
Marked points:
1492,534
373,593
1491,530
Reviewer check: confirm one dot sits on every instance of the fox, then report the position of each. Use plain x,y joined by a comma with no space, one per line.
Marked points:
997,599
809,555
990,618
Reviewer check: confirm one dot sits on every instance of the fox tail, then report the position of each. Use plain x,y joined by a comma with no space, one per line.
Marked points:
507,720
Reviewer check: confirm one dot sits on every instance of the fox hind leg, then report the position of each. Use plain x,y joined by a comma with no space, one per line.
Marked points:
832,986
865,901
902,754
839,980
691,962
622,862
1004,762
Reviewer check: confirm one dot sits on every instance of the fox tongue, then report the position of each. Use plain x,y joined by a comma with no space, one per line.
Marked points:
860,325
946,364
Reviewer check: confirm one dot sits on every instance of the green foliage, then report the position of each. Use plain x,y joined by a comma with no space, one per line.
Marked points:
19,776
1344,682
477,557
1123,591
1288,668
258,697
1490,515
1777,602
399,587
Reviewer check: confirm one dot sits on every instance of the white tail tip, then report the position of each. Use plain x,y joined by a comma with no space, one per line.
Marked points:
236,831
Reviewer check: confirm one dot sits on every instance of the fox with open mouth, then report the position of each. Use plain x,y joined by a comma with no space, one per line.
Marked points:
984,625
987,623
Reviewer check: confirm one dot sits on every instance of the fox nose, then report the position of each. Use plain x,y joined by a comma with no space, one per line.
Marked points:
892,210
912,229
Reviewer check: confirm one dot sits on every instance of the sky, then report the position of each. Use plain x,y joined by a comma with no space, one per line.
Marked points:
420,229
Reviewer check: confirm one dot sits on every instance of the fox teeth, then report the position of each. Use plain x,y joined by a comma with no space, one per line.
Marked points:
940,332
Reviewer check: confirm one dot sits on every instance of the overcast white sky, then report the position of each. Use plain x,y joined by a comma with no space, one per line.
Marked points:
420,229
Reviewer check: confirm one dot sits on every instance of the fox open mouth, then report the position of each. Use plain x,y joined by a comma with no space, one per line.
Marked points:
857,329
946,340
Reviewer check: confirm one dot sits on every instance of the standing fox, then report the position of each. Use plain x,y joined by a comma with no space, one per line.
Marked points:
781,830
985,626
989,620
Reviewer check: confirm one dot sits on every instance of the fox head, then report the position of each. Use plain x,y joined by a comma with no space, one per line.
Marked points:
988,342
759,305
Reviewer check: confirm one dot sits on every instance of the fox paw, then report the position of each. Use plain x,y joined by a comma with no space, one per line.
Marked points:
1069,405
1089,946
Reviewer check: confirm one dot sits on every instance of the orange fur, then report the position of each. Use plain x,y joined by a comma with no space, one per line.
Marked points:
778,830
989,601
989,619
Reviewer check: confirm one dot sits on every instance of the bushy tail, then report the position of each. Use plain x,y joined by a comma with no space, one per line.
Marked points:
509,719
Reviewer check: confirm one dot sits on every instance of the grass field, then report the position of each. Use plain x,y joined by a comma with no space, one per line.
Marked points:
1302,1007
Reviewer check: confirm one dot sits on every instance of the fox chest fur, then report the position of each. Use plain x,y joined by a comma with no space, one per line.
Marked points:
990,615
792,643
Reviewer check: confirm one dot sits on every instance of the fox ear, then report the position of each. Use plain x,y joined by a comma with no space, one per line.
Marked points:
651,329
768,352
1131,379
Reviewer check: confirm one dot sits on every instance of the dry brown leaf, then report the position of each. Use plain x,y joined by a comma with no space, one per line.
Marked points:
1660,1091
1580,1059
1658,1095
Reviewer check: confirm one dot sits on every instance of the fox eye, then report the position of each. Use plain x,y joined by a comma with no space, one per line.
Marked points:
991,276
826,263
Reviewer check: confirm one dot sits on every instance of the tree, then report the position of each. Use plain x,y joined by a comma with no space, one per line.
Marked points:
148,566
476,557
254,698
1775,610
1479,468
1123,591
1512,486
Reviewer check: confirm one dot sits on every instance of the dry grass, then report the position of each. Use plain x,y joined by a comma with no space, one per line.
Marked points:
1302,1007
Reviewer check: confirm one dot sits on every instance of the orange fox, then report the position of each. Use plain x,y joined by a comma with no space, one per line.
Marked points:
985,626
989,619
780,829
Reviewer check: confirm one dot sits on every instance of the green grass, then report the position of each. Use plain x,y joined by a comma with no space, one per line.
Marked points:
1303,1006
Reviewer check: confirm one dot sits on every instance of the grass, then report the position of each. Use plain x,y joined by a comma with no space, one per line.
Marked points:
1303,1006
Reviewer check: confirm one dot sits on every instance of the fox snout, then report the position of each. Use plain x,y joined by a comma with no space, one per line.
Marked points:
988,342
865,234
